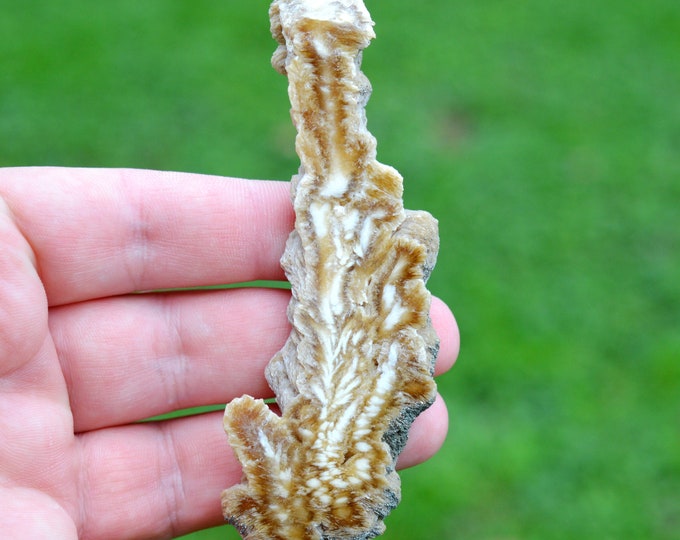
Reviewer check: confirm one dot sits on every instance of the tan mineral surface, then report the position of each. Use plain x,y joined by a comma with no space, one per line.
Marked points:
357,367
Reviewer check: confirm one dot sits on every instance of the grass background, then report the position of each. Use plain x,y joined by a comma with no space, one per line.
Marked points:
545,136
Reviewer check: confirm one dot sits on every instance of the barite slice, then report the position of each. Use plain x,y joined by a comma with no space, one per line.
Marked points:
357,368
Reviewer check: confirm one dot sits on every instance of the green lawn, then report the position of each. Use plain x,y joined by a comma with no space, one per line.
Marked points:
545,136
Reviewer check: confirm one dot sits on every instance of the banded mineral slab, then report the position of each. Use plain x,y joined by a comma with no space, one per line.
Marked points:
357,367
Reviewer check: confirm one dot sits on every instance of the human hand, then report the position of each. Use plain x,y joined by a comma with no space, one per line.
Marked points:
83,359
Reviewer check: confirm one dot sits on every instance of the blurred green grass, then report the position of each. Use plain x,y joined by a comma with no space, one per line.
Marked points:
544,135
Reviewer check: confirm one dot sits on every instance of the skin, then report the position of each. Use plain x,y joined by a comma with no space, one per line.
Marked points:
82,359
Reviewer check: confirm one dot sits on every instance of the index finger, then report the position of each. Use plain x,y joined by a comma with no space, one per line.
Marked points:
103,232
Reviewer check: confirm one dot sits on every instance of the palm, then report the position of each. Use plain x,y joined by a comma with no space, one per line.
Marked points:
40,457
75,378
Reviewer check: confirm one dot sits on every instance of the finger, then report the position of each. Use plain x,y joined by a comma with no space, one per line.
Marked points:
426,436
158,480
165,479
449,335
102,232
132,357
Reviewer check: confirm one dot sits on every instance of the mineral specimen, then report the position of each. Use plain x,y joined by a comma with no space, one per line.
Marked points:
357,367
